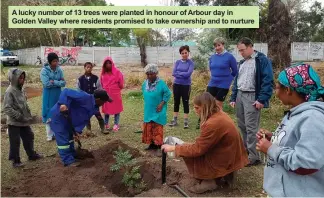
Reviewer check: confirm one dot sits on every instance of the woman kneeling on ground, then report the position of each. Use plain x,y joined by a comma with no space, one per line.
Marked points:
156,95
295,165
217,153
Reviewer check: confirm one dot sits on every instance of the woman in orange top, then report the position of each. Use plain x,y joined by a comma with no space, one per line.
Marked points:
217,153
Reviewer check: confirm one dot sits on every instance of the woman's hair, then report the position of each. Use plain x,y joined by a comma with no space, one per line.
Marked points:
87,63
220,40
185,47
151,68
208,106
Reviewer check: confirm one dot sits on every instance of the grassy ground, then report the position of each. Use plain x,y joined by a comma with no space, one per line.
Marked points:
130,122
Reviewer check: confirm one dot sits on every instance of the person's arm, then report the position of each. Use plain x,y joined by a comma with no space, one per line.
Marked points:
47,83
208,138
233,65
166,93
307,155
61,82
98,84
8,108
175,72
234,90
266,82
121,81
188,73
78,85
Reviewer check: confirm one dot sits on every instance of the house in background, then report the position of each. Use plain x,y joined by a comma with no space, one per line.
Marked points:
181,43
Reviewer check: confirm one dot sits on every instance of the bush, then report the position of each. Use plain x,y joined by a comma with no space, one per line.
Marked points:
134,80
199,82
201,63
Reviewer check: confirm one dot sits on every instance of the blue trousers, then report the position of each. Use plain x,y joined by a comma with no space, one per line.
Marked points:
64,139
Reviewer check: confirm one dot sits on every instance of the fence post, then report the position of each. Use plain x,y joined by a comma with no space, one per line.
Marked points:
172,55
292,51
308,51
93,55
157,55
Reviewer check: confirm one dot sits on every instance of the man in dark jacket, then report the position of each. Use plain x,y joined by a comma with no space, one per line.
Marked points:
252,90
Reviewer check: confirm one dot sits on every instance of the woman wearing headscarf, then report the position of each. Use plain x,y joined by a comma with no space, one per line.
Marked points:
112,80
295,164
156,96
52,79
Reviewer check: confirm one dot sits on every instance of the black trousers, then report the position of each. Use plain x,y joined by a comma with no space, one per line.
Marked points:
100,120
181,92
27,136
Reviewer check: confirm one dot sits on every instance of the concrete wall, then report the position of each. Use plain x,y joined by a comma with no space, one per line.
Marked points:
160,55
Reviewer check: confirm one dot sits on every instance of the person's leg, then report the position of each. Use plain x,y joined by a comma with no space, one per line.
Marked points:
27,137
157,130
49,133
240,117
252,122
14,141
220,97
64,139
185,95
100,121
147,135
176,98
107,121
116,122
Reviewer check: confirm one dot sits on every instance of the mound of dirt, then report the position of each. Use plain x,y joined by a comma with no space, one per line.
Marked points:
92,178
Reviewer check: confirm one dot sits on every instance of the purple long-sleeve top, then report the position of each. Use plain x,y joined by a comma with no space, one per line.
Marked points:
182,72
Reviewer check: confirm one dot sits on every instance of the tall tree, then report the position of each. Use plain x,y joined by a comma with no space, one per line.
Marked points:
142,37
280,33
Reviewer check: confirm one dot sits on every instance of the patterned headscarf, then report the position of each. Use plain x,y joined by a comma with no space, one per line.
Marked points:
303,79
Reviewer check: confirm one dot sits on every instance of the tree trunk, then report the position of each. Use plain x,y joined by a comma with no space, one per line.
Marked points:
279,36
142,47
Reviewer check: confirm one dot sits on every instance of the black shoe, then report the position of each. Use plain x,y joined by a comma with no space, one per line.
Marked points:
150,147
255,163
35,157
17,164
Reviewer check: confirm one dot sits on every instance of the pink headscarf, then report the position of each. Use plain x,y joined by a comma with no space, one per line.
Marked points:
114,70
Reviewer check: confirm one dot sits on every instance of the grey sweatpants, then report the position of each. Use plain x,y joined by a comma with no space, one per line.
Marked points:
248,119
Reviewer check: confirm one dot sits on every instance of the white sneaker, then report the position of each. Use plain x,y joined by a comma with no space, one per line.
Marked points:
49,139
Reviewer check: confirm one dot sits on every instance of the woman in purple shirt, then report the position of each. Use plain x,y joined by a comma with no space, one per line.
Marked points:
182,85
223,69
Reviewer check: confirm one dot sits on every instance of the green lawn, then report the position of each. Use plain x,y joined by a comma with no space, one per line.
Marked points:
130,123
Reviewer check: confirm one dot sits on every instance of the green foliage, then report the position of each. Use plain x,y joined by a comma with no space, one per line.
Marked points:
201,63
123,159
131,177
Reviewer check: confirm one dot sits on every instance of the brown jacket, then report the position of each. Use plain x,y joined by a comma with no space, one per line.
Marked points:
218,151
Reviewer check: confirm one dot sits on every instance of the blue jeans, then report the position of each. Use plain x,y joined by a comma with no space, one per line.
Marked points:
116,121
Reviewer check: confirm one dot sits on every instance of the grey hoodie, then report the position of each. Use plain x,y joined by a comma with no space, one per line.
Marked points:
15,101
297,146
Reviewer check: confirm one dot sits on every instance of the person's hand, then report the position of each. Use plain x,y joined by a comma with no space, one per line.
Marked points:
76,137
167,148
63,108
232,104
263,145
52,81
258,105
159,107
263,133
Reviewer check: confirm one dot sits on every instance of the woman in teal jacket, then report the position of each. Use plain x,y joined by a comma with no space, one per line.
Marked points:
156,96
53,80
